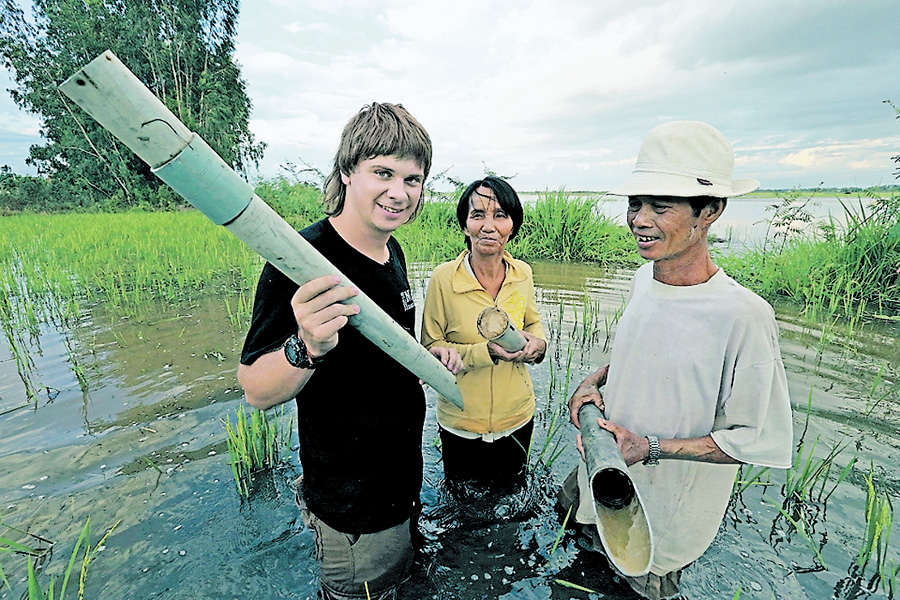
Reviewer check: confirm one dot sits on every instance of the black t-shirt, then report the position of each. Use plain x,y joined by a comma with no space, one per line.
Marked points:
360,415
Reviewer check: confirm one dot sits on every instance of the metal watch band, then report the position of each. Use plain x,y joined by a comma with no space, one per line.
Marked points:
653,456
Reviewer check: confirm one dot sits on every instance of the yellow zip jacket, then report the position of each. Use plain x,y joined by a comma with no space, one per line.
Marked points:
498,396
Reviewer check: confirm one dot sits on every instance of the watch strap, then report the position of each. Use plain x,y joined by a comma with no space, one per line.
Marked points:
653,456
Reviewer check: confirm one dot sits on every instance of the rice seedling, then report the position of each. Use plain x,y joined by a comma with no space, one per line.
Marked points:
879,519
889,578
807,472
574,586
75,365
876,396
753,477
562,530
256,443
239,315
556,417
58,585
799,526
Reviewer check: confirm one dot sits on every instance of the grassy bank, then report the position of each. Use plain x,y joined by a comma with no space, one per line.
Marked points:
847,270
127,258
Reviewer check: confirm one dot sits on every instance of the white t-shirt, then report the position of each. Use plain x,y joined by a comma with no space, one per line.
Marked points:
686,362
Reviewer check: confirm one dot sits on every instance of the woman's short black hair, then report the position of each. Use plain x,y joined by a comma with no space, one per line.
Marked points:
505,196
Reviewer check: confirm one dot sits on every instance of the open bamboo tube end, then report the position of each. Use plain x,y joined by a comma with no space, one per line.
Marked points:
621,520
494,325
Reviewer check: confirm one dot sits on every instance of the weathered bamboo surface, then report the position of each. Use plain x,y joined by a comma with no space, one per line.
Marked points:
621,520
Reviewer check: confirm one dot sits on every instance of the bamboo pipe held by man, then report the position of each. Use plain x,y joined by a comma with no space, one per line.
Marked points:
112,95
620,517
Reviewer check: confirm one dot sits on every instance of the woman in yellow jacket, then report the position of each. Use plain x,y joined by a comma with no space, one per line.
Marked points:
488,441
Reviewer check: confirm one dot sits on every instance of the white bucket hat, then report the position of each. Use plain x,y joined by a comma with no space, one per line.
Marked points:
685,159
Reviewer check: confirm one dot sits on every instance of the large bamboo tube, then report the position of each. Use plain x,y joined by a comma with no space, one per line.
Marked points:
621,520
112,95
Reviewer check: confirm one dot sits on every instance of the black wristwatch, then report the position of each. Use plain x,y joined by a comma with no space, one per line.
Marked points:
295,352
653,456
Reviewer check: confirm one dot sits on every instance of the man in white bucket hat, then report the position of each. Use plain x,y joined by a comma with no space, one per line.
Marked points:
695,385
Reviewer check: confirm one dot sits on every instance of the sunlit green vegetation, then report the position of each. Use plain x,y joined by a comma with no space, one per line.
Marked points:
128,258
258,442
53,587
848,270
557,227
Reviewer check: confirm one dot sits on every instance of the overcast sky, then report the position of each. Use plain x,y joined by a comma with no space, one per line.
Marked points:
560,93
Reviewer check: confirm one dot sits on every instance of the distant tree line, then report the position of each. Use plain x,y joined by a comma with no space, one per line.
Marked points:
183,50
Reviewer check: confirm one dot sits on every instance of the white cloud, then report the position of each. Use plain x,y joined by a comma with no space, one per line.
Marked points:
562,91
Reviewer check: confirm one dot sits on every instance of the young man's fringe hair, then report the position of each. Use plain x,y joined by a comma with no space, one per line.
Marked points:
378,129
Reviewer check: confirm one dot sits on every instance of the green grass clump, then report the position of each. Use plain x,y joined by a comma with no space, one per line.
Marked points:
842,270
57,586
565,227
879,519
558,226
298,203
434,237
256,443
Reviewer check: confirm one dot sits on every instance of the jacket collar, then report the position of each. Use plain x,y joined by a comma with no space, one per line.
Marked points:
463,282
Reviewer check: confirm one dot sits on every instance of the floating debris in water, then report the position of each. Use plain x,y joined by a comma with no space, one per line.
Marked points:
28,487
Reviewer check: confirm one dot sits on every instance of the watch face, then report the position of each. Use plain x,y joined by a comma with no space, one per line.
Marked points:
293,351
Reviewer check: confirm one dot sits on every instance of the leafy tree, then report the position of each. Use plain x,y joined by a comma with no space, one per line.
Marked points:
181,49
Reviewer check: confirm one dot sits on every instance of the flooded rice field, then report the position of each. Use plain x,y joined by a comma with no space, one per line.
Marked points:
126,428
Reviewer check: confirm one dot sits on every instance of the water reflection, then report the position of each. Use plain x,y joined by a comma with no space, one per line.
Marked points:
144,444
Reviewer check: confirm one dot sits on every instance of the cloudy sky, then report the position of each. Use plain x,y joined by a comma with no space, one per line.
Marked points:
560,93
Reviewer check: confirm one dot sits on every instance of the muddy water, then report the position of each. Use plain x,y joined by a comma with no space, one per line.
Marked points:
141,443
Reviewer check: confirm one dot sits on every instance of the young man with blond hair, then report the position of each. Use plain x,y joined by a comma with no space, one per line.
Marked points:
360,443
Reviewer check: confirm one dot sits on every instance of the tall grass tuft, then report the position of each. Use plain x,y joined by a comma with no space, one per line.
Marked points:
845,270
564,227
879,519
57,586
808,472
558,226
257,443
